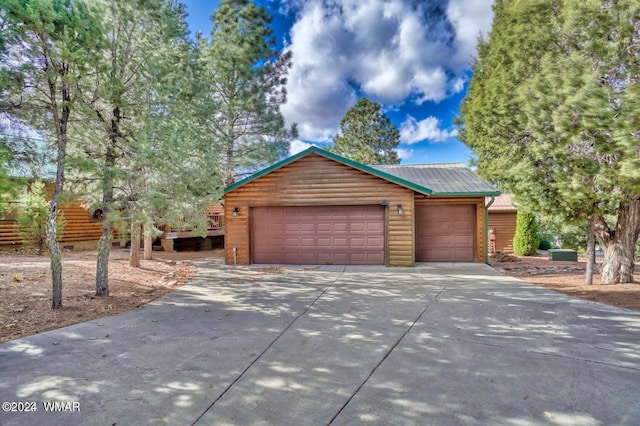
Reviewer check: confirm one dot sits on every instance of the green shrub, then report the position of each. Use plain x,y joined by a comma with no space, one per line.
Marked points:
544,245
525,241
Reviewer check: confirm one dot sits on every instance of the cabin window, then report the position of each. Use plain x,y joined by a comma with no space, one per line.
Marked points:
97,215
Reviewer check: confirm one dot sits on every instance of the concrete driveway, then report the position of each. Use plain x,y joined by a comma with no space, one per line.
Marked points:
435,344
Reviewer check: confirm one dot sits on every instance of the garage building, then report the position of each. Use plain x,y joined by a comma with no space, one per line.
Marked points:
318,208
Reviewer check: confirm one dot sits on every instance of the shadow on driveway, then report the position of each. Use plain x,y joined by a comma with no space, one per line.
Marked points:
435,344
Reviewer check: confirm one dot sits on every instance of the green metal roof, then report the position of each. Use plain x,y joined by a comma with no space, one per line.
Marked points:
475,186
453,179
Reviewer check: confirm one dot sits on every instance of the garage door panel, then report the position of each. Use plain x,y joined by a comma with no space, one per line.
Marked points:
462,227
463,240
325,227
358,242
375,242
290,227
445,233
341,242
318,235
340,227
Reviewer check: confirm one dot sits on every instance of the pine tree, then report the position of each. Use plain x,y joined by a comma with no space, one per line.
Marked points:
247,78
552,114
367,135
50,46
137,83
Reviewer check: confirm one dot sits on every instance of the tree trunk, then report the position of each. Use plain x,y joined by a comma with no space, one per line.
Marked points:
134,256
102,263
230,168
104,246
148,241
61,119
618,261
619,244
55,255
591,254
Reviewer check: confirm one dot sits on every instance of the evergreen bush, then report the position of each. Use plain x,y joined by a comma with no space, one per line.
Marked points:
525,241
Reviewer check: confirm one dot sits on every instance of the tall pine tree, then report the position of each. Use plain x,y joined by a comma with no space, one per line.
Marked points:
367,135
134,93
53,46
552,113
247,77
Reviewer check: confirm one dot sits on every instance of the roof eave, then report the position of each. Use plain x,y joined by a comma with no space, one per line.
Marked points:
466,194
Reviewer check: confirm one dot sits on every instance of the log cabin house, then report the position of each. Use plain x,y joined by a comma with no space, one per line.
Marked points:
81,231
320,208
83,228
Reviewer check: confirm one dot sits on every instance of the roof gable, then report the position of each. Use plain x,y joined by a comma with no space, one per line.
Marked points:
315,150
428,179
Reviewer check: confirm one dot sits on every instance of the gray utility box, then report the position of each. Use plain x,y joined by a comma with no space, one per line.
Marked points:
565,255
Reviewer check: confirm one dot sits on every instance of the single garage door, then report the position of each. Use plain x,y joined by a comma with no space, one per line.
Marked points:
335,235
444,233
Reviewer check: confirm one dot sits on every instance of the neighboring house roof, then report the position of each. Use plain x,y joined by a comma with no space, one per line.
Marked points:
32,158
503,203
445,179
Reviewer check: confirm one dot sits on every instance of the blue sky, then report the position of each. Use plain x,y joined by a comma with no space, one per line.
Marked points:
413,57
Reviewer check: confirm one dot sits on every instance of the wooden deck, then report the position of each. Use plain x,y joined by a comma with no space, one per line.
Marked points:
174,239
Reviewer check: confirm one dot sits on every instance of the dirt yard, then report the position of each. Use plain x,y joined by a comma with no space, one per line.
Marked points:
568,278
25,285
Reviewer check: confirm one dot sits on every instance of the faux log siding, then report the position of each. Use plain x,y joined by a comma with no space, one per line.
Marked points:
504,227
78,226
480,240
8,234
317,181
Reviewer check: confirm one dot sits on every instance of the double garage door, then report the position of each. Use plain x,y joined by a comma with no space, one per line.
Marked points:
324,235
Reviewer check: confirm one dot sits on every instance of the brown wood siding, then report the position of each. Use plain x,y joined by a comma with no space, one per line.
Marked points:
8,234
478,202
317,181
503,225
78,225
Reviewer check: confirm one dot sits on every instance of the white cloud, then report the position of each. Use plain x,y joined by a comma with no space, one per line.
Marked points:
413,131
470,18
388,50
298,146
404,154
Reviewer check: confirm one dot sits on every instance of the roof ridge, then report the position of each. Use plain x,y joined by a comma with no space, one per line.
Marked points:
425,165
